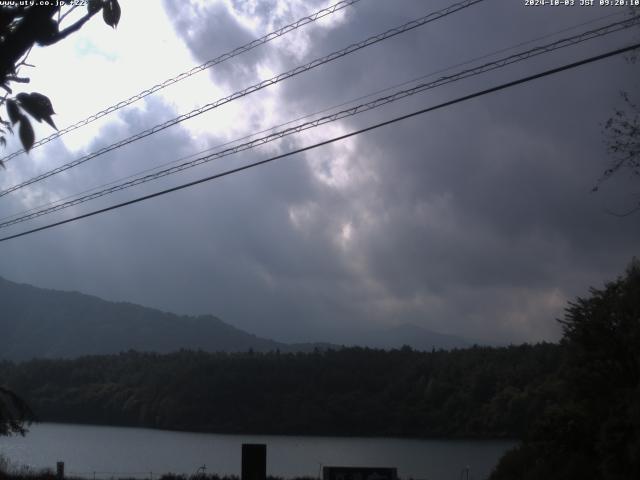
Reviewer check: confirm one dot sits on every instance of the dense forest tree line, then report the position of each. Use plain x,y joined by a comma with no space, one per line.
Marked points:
475,392
575,405
593,431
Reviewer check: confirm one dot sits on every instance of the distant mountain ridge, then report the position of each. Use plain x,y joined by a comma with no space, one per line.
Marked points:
416,337
43,323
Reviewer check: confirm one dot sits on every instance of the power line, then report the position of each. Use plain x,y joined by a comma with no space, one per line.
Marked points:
204,66
490,66
258,86
289,122
334,139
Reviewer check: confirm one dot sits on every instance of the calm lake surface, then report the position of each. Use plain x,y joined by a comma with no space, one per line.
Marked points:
136,452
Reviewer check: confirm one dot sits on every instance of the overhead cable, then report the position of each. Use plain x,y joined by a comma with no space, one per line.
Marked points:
204,66
258,86
313,114
332,140
378,102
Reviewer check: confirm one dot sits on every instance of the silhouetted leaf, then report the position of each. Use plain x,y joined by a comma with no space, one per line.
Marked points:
94,6
47,31
111,13
13,111
27,137
38,106
49,120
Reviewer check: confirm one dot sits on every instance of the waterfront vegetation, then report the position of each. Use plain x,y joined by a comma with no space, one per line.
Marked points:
479,392
27,474
575,405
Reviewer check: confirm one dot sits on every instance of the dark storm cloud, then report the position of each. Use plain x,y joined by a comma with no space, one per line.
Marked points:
477,219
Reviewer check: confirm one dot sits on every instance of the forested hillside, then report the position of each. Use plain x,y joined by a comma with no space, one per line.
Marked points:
476,392
42,323
593,430
37,322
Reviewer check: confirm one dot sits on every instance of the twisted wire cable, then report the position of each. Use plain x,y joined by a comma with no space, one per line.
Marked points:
253,88
349,112
204,66
309,115
385,123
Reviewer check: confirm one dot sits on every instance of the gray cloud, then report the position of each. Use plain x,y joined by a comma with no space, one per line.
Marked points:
477,219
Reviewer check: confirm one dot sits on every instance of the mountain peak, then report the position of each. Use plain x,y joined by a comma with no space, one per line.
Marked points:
39,322
415,336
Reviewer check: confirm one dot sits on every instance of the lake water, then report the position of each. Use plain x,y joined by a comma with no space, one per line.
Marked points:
145,453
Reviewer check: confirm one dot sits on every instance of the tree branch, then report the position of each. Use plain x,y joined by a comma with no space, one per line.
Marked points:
22,38
67,13
70,29
623,214
13,78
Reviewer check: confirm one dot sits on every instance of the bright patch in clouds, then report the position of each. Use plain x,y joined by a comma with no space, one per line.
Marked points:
346,235
333,164
99,66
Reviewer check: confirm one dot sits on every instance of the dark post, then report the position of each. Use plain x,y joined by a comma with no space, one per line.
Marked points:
254,461
60,470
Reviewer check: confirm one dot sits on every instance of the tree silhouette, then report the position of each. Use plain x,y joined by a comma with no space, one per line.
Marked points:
14,413
603,337
21,28
622,133
593,430
622,136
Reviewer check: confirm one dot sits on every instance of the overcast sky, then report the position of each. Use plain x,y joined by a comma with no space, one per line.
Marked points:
476,220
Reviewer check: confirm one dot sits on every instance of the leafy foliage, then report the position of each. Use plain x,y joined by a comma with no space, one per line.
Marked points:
622,135
46,474
111,13
622,132
22,26
14,413
476,392
594,429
